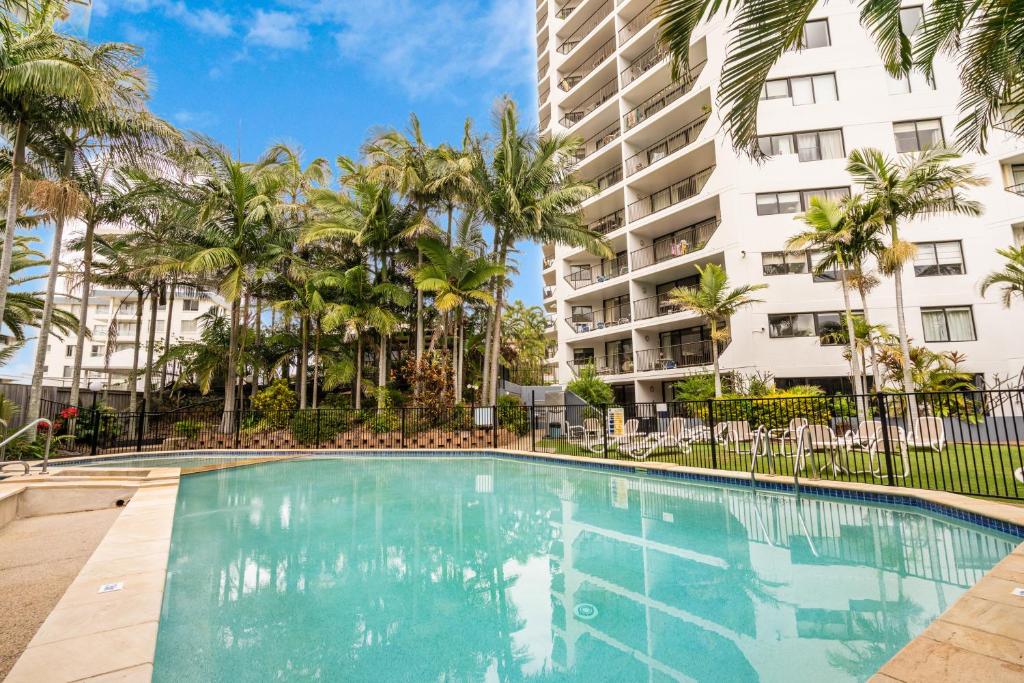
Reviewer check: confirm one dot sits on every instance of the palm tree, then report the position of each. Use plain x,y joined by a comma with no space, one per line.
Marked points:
1011,277
829,231
456,277
715,300
983,37
914,187
525,189
24,307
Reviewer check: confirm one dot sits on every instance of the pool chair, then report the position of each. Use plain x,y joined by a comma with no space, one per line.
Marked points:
585,437
927,432
783,441
899,443
678,435
738,437
864,436
818,438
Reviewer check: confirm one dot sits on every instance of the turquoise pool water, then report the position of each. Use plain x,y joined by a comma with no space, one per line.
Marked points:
143,462
460,569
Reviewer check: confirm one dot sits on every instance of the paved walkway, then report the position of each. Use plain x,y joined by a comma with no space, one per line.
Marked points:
39,558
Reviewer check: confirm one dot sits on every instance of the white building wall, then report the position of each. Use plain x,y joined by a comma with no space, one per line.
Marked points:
865,112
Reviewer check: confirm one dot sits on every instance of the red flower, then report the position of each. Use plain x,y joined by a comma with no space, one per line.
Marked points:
69,413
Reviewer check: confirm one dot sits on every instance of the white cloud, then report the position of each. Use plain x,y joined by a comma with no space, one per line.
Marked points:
277,30
206,21
194,119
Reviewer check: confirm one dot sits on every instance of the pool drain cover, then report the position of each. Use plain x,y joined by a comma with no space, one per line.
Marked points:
585,611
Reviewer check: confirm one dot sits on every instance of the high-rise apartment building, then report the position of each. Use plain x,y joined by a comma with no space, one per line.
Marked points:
674,195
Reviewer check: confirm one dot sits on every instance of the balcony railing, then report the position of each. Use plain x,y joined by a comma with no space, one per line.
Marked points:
549,322
548,262
550,352
679,243
656,306
584,29
604,365
572,79
601,319
589,105
549,291
542,44
661,99
644,63
671,357
1016,189
609,223
598,141
634,25
673,194
669,144
608,178
567,9
608,269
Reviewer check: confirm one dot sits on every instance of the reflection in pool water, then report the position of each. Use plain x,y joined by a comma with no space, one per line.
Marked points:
482,569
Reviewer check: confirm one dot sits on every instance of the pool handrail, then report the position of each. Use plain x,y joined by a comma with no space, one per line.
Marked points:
46,450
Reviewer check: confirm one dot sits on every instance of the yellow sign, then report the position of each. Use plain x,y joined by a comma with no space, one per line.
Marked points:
616,422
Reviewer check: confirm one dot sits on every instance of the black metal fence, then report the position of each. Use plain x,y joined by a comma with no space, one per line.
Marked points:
963,442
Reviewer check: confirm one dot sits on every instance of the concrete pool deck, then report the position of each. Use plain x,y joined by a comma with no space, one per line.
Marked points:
112,636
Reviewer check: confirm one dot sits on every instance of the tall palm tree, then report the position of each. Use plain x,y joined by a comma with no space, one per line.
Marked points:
1010,277
715,300
914,187
525,189
456,277
829,230
983,38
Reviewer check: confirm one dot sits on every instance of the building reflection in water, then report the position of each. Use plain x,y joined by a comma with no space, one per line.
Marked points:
409,569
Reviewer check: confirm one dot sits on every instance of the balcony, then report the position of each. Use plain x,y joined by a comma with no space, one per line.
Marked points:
661,99
548,262
550,352
637,23
606,270
601,319
679,243
542,45
1016,189
590,105
604,365
644,63
549,291
567,9
590,64
675,193
672,357
608,178
549,322
531,375
609,223
668,145
597,141
584,29
657,306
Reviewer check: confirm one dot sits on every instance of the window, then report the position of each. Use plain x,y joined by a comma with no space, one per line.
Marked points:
911,19
814,145
1017,175
938,258
791,325
802,89
915,82
95,351
99,330
783,262
190,305
952,324
815,34
68,370
189,326
770,203
914,136
69,351
160,324
816,257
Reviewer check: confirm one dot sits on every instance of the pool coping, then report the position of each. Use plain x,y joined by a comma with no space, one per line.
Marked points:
113,635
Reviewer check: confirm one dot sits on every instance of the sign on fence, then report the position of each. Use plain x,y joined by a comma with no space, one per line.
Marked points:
616,422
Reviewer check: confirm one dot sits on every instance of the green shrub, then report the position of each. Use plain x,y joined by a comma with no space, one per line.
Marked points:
513,415
383,419
275,403
591,388
332,422
188,428
695,388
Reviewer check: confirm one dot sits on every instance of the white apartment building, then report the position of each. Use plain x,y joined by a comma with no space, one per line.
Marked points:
673,195
111,321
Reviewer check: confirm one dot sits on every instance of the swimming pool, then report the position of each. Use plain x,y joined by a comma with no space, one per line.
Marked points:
411,569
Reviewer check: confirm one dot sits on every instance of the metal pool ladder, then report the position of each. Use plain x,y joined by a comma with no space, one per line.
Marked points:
46,450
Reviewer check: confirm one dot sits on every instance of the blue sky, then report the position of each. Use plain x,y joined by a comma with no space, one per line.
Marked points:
324,74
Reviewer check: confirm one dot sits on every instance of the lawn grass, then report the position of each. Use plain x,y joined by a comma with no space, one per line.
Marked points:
975,469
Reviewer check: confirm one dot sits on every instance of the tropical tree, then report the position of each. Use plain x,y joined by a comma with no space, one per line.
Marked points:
914,187
525,189
715,300
1010,278
456,277
982,37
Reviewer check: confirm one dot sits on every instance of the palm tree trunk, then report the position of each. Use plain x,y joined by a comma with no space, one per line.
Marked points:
133,388
486,364
359,374
227,422
147,386
499,302
167,332
460,344
875,373
456,385
419,323
714,359
83,311
316,362
303,359
20,138
901,326
382,363
36,395
851,338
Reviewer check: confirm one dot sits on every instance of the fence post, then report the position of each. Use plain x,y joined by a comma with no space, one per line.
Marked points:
140,426
714,437
95,430
403,427
238,428
604,428
318,428
495,425
533,428
883,417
